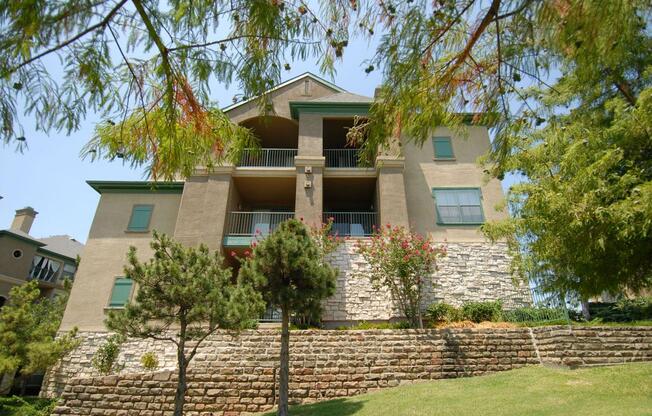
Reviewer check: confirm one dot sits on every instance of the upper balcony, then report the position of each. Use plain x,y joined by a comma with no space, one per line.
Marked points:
278,139
338,151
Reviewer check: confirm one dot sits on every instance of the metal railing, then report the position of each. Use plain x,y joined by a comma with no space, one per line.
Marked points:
268,157
351,223
251,223
342,158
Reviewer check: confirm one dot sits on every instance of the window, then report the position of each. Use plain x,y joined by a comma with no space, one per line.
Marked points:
140,216
69,270
121,292
44,269
458,206
443,148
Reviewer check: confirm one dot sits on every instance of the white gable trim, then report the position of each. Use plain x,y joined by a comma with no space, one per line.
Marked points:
288,82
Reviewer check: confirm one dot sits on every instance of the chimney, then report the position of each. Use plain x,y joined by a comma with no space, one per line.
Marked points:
24,219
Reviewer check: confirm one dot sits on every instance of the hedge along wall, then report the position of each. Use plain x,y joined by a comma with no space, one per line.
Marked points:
232,375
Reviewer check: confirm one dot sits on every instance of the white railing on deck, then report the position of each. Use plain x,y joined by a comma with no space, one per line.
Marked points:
342,158
351,223
268,157
251,223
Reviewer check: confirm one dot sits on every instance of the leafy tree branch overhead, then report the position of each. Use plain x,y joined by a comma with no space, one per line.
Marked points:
147,67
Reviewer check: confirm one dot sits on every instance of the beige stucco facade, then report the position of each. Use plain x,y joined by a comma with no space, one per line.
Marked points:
222,208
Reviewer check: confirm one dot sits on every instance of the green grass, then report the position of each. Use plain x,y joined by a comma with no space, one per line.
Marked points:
534,391
26,406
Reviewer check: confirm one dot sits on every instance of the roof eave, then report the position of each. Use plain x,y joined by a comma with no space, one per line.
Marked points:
103,187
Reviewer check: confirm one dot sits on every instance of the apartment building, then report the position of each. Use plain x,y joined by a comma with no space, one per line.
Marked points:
305,170
23,257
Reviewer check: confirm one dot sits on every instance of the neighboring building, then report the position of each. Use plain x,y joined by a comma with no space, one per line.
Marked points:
306,170
23,257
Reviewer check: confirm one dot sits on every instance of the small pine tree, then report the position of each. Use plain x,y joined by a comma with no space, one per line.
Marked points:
186,290
287,267
28,331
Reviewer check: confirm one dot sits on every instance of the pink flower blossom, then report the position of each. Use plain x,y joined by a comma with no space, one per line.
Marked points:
233,254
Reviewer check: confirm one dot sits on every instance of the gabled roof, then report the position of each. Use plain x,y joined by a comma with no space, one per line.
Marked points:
288,82
343,97
20,235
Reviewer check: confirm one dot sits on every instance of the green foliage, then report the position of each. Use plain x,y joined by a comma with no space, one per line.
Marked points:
184,294
441,312
24,406
105,359
28,330
482,311
149,361
536,314
287,267
400,261
626,310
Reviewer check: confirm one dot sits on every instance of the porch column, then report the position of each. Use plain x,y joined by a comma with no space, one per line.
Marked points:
309,200
204,207
392,200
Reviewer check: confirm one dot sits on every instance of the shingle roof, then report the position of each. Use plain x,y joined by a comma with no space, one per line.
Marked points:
62,244
343,97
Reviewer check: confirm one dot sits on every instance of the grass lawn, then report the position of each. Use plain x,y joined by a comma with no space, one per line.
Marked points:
619,390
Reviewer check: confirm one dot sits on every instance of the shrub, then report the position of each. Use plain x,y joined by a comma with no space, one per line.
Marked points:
482,311
443,312
535,314
106,356
29,406
626,310
149,361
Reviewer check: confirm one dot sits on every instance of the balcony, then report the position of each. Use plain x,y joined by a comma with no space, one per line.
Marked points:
268,157
243,227
342,158
352,223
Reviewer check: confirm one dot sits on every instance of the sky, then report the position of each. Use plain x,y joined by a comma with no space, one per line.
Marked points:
51,177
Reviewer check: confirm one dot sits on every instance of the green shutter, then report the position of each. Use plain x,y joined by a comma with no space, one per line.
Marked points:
443,147
140,216
121,292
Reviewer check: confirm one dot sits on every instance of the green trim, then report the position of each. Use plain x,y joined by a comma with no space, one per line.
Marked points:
139,187
320,107
8,233
140,223
449,152
238,240
58,256
458,188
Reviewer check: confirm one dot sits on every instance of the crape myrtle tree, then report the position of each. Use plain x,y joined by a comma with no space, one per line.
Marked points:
526,67
288,268
401,262
184,294
28,332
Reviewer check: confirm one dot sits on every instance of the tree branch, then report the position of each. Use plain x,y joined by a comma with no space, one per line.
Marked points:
75,38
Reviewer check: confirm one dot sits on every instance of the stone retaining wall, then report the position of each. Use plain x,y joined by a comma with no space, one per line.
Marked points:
235,374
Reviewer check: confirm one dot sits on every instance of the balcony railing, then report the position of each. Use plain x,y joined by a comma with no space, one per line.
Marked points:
352,224
342,158
252,223
268,158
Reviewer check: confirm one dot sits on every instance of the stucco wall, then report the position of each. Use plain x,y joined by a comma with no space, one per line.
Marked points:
422,173
11,266
470,271
234,374
105,253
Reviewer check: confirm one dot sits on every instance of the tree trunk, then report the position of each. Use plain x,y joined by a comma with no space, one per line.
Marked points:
284,373
180,395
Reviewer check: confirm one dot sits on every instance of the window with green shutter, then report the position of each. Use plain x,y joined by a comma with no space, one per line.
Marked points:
121,292
458,206
140,216
443,148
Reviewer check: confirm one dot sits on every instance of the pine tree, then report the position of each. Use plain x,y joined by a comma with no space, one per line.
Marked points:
184,294
28,331
287,268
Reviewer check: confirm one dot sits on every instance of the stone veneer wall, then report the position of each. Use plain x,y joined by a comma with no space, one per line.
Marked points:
235,374
469,272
